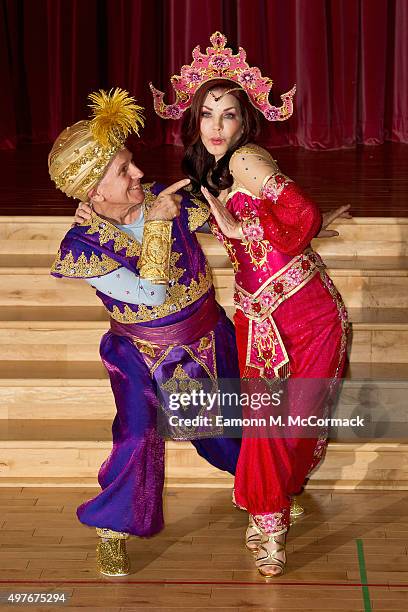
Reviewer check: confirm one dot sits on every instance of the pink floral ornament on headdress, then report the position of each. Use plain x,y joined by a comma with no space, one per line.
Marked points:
220,63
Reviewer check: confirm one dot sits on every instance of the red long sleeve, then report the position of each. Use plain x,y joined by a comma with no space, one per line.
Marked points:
291,221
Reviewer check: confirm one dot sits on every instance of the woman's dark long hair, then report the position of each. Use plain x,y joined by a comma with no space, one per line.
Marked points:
200,165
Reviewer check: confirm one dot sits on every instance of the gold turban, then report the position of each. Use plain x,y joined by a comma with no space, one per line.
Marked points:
82,152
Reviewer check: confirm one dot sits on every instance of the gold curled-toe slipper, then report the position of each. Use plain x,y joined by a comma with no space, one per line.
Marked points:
111,555
253,536
267,562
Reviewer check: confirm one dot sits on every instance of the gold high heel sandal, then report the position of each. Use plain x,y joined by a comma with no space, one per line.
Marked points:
253,534
267,561
111,555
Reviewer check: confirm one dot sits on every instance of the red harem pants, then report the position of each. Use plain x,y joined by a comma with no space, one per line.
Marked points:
313,326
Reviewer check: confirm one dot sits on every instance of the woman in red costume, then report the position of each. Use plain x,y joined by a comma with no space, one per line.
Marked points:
290,319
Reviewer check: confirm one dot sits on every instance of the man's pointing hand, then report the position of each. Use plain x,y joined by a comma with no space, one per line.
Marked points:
167,204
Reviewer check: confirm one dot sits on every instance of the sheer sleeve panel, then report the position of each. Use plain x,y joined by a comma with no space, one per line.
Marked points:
251,166
289,218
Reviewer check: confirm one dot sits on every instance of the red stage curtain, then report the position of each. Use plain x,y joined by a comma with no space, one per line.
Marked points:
349,59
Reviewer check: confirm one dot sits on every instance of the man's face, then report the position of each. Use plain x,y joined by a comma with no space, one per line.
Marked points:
121,183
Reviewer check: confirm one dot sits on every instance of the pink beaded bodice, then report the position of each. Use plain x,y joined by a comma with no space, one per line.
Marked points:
258,259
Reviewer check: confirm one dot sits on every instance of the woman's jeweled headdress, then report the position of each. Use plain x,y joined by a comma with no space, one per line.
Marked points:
220,63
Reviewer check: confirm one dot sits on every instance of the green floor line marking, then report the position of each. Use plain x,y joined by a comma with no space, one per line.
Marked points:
363,576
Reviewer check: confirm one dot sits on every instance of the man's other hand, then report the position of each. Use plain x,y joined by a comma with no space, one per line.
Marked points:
83,212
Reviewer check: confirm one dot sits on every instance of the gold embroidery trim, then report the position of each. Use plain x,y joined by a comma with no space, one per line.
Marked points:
238,188
160,360
343,316
108,231
181,382
196,358
154,261
205,344
227,244
263,247
82,267
178,297
104,532
146,347
197,216
149,198
253,149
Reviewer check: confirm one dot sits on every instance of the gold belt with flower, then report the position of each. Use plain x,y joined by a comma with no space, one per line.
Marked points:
284,283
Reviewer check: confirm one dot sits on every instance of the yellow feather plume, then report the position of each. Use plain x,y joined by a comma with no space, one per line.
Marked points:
115,116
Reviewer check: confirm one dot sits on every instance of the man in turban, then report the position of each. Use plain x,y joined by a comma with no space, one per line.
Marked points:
167,333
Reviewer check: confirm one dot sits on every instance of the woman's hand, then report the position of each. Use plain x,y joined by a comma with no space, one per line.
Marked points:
230,227
83,212
338,213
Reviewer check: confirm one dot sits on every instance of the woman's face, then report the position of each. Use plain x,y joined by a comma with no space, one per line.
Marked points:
221,122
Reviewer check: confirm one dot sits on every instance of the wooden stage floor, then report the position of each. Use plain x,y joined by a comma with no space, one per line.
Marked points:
373,179
349,553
